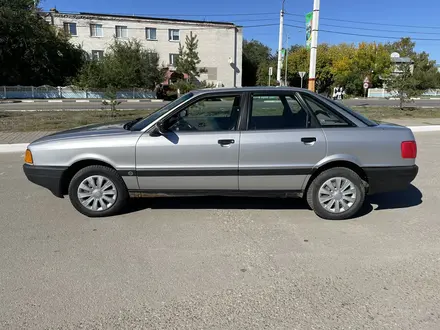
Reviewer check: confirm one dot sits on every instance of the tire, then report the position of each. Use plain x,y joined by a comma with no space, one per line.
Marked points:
110,203
357,185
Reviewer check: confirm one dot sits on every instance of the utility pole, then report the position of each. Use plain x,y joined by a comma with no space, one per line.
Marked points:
280,43
286,53
314,46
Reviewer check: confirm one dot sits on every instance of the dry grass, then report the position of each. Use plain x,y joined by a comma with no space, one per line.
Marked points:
60,120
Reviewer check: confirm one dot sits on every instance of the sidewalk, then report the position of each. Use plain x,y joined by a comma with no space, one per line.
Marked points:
20,137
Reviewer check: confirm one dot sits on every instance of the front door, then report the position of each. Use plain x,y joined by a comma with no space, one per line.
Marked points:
280,147
199,152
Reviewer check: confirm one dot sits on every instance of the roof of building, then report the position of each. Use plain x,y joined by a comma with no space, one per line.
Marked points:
140,17
401,60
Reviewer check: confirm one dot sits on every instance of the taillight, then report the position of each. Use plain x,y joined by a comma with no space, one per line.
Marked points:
409,149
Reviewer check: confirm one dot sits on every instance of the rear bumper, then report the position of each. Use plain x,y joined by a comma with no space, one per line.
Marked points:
387,179
48,177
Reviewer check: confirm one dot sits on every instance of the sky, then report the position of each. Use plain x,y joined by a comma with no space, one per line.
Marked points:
376,19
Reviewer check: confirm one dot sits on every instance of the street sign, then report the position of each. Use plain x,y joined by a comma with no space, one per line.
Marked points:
366,85
270,71
366,80
302,74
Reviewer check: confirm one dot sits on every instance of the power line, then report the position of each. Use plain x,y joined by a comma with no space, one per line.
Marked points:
371,29
364,35
371,23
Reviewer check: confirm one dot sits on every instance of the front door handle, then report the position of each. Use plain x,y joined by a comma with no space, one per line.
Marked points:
308,140
226,142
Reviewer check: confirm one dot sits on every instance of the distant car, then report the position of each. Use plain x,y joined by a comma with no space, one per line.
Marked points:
277,142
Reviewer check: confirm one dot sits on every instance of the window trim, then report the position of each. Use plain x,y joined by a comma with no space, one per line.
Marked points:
97,50
70,33
311,120
196,98
123,27
96,36
169,35
350,123
146,33
173,63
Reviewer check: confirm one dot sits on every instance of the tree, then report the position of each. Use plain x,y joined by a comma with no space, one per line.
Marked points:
188,59
425,73
125,65
255,55
403,84
32,52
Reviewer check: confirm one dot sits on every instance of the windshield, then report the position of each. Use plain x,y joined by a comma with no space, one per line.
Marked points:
358,116
160,112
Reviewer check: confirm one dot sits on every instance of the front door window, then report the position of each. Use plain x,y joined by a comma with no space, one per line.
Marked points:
208,115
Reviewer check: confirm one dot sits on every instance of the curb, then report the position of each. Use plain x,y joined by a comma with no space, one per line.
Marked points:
21,147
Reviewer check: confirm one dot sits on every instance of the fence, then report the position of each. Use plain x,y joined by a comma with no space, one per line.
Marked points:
69,92
382,93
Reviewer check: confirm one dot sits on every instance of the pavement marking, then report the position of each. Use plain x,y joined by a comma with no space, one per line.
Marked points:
133,101
13,147
27,101
55,101
431,128
82,101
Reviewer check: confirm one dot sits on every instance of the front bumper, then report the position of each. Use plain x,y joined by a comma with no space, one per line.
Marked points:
49,177
387,179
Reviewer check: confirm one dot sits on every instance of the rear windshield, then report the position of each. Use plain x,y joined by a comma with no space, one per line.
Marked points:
355,114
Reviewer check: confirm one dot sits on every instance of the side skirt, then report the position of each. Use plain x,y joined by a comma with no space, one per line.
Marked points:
223,193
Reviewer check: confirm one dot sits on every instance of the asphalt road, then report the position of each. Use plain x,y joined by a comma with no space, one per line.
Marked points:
220,263
155,105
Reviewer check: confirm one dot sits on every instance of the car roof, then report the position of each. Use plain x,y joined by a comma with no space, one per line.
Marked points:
248,89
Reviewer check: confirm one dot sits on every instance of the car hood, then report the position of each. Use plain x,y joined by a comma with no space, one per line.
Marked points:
102,129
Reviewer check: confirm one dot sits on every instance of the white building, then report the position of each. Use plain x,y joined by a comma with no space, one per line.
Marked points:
220,43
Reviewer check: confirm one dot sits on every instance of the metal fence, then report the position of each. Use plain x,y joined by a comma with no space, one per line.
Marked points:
382,93
69,92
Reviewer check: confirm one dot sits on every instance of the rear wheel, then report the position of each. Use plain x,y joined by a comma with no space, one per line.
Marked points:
336,194
98,191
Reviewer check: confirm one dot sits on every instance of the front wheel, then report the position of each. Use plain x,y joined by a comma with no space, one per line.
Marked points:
336,194
98,191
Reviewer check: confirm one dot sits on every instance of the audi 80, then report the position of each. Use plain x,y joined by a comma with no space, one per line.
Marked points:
256,141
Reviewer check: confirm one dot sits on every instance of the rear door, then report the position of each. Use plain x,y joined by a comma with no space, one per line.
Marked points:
198,153
281,145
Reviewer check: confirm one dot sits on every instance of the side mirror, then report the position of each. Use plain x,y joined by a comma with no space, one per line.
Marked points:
159,129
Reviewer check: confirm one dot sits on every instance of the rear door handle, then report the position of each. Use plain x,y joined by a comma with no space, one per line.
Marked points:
308,139
226,142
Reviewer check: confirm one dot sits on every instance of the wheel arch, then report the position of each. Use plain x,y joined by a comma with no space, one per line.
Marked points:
75,167
337,163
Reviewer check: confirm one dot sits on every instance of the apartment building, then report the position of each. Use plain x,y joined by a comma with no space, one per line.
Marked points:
220,43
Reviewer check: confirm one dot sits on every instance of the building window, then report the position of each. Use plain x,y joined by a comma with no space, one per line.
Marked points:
121,32
96,30
151,33
173,58
97,54
70,28
174,35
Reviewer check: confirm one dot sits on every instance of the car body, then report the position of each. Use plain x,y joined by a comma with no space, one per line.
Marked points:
253,141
